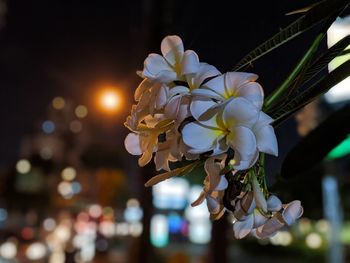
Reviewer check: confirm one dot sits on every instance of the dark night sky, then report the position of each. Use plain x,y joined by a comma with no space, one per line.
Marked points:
62,47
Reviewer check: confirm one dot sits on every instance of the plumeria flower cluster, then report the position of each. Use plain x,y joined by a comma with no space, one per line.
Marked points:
262,218
189,110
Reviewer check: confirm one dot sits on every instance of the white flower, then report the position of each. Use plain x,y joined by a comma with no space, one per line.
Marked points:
213,184
178,106
266,140
262,224
173,65
232,85
237,123
287,217
153,95
218,129
141,144
144,141
171,150
205,71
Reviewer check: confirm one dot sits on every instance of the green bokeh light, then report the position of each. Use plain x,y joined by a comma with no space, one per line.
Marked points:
340,150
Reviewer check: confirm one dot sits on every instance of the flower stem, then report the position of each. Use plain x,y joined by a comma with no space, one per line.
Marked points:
261,174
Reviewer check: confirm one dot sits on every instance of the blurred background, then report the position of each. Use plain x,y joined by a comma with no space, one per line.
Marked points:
69,191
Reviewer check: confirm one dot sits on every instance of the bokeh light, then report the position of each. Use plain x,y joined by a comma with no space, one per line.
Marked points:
95,211
63,233
48,127
3,214
65,189
107,228
46,153
58,103
282,238
49,224
8,250
81,111
159,231
76,187
36,251
23,166
68,173
313,240
76,126
135,229
109,100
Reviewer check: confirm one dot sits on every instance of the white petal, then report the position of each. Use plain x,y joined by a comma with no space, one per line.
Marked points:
152,121
199,200
185,150
234,80
162,97
292,212
200,138
200,109
184,109
240,164
212,170
244,206
242,140
132,144
155,63
217,85
161,160
220,147
172,49
270,227
213,205
253,92
172,108
222,185
266,140
148,144
274,204
243,228
218,215
259,196
206,93
240,112
205,71
259,219
145,158
156,68
144,85
263,120
248,203
190,62
239,213
144,101
177,90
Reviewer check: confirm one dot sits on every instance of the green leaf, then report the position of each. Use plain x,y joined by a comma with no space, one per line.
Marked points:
315,15
175,172
320,87
323,61
281,94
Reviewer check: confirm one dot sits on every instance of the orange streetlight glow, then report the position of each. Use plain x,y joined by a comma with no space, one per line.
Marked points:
110,100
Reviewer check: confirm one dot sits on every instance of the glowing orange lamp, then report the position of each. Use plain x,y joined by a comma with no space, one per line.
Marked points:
109,100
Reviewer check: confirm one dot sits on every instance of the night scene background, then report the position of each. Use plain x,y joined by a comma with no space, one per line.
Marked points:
69,191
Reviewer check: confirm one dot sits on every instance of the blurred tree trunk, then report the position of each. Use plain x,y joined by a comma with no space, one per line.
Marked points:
219,242
146,250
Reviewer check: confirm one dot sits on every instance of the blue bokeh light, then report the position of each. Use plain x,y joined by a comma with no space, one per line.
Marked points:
48,127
